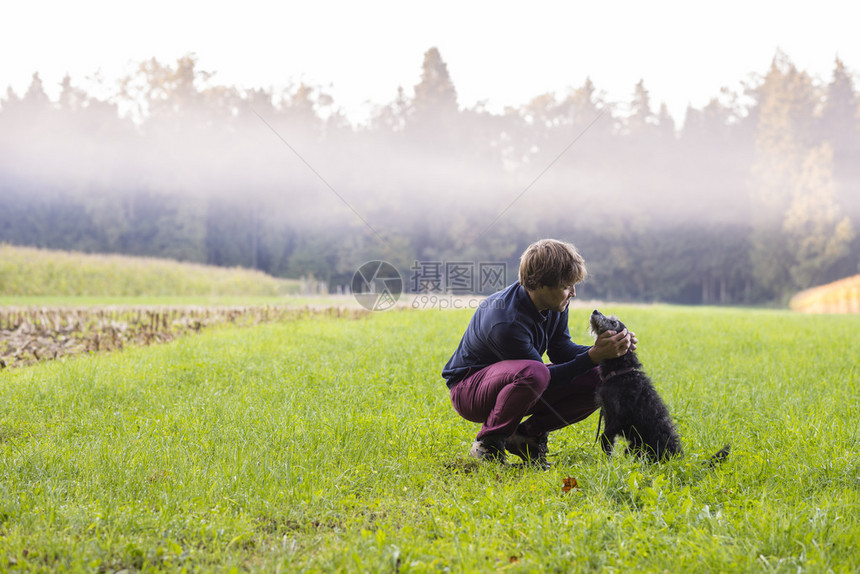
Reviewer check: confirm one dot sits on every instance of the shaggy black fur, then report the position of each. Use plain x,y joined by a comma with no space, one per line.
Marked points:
630,404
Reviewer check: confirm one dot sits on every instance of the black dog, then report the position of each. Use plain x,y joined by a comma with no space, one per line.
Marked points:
631,406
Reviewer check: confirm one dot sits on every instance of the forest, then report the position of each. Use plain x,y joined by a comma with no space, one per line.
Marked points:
750,199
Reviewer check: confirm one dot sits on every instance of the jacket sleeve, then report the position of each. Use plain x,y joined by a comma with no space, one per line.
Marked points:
566,372
560,349
569,359
511,341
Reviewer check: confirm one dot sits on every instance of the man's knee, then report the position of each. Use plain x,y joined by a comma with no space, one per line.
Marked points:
535,372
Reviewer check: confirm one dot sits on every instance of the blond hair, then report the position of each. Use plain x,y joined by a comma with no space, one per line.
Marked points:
551,263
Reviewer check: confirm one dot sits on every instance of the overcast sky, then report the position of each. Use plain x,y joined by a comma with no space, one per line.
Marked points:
502,53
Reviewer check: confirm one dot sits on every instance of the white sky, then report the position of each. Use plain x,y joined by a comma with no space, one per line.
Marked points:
500,52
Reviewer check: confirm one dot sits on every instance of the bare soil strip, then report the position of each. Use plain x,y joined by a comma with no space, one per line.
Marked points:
31,335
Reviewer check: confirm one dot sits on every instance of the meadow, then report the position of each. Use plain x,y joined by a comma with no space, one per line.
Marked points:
27,272
329,444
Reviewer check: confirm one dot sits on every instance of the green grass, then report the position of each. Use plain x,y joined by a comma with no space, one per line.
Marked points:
330,445
53,301
29,272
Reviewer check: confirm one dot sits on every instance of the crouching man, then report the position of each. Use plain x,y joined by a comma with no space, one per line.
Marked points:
497,375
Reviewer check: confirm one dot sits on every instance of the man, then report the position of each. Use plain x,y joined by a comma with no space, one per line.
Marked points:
497,375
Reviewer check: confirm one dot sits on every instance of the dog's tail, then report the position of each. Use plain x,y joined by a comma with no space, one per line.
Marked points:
720,456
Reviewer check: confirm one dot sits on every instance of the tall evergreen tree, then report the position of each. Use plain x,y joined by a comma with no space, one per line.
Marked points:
641,119
434,107
840,126
785,106
839,121
816,233
435,95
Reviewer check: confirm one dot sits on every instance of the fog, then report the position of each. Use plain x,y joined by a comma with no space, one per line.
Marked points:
746,200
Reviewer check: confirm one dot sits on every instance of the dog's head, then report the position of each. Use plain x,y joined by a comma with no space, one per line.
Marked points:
600,323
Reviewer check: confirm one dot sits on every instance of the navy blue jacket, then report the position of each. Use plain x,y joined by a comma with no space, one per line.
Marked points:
507,325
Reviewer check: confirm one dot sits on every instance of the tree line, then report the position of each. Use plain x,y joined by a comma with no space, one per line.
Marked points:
755,196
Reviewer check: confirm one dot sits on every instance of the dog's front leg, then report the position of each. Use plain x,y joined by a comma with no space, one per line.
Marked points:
607,440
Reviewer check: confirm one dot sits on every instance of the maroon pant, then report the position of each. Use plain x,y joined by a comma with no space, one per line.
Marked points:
499,396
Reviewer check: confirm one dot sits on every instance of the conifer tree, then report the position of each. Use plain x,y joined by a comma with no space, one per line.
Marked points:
817,234
434,107
785,103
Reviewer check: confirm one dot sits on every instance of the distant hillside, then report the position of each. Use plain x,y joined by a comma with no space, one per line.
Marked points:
26,271
841,296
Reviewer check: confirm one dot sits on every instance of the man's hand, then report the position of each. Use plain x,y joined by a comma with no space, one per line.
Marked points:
610,345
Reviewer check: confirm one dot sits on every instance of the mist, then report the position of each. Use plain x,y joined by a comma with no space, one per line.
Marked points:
747,200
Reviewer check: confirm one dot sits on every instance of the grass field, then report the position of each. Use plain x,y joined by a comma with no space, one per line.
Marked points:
180,300
31,272
330,445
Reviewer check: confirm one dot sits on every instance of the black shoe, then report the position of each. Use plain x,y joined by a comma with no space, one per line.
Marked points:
489,449
532,449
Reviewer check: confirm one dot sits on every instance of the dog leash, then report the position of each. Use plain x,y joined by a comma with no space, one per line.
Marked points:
599,420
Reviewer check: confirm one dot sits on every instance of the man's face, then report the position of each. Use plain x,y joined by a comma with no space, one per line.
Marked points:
553,298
